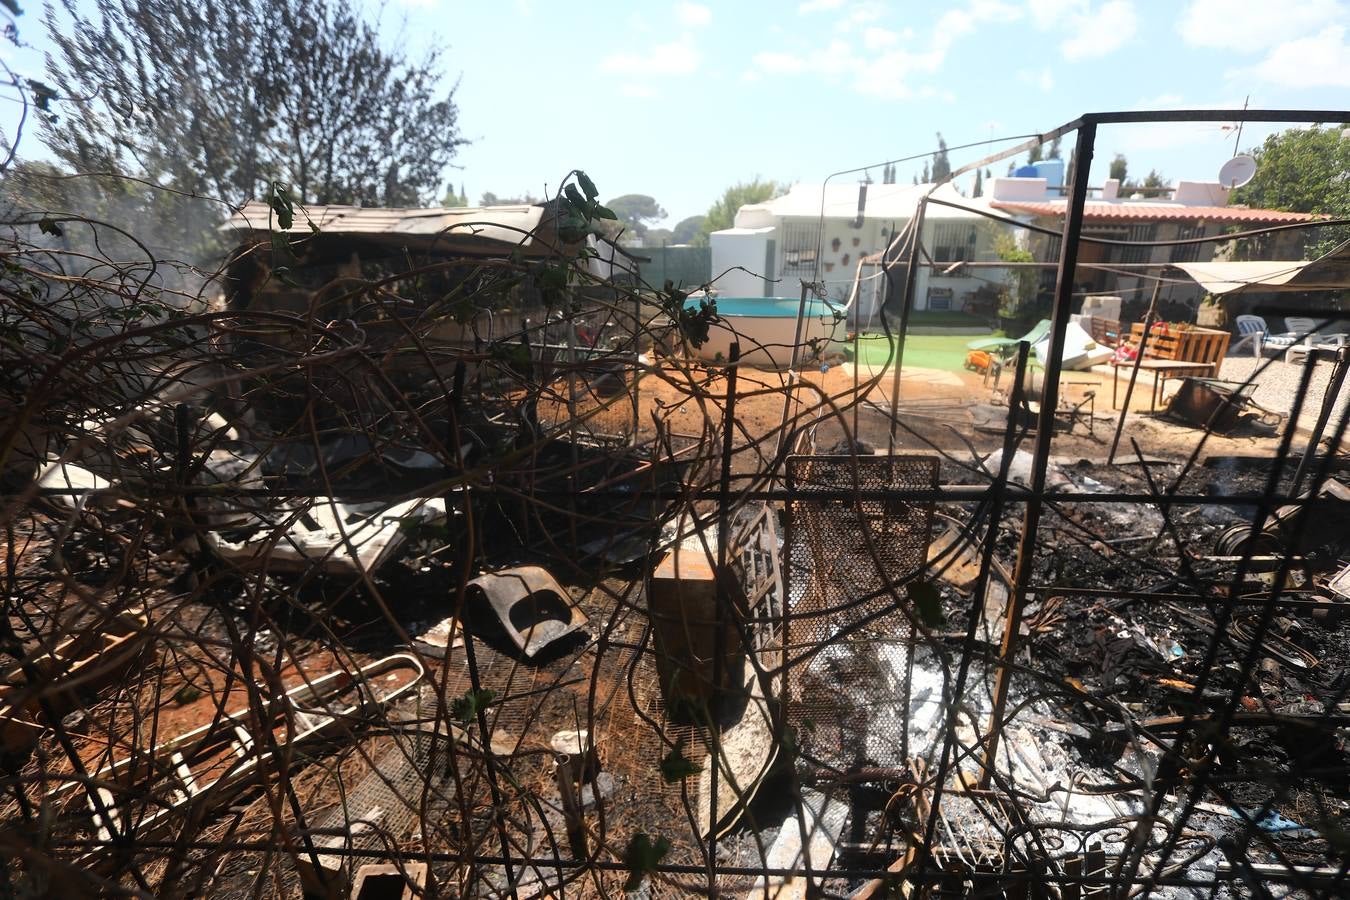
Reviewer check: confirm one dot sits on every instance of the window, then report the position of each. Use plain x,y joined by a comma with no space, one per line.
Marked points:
953,242
1188,252
1139,233
799,247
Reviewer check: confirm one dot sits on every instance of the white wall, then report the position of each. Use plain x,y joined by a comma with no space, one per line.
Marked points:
746,248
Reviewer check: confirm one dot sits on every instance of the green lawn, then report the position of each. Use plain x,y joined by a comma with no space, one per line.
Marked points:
927,351
945,318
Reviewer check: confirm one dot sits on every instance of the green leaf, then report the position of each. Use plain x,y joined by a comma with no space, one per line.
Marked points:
466,708
587,185
282,205
642,857
927,601
186,694
676,767
604,212
574,195
49,226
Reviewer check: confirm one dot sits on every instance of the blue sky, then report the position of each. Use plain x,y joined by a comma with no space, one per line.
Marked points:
678,99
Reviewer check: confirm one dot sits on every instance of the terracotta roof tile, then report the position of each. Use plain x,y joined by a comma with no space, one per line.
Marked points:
1153,212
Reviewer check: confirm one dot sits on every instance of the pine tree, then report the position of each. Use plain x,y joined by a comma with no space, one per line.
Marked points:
1035,155
941,166
978,189
927,176
1054,150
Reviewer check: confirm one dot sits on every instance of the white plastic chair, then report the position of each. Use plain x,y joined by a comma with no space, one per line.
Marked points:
1307,340
1251,330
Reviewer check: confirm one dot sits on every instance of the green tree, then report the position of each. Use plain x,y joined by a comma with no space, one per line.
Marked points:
722,214
221,99
1034,156
686,230
978,190
1303,170
490,199
635,211
452,200
1054,150
1154,180
1017,293
942,167
1119,167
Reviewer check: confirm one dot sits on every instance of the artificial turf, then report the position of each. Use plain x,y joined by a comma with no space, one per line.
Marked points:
926,351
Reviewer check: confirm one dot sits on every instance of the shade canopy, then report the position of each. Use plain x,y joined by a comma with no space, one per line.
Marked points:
1327,273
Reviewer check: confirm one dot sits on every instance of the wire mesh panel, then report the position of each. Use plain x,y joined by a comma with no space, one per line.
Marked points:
848,558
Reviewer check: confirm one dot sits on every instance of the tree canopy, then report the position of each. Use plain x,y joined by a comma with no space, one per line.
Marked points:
1119,167
224,98
635,212
942,167
1301,170
490,199
686,230
722,214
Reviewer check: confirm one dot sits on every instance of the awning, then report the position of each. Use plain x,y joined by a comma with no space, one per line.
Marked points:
1327,273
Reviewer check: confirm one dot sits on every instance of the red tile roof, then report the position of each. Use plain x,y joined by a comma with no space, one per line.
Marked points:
1153,212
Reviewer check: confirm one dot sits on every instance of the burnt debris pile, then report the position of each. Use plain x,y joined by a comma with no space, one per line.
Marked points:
412,554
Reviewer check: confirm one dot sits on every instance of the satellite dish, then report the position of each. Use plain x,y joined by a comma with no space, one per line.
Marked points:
1237,171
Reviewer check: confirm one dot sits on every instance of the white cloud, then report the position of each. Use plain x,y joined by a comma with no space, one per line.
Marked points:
775,63
1049,13
875,38
678,57
1096,33
692,15
643,91
1044,79
1251,25
1161,101
811,6
1322,60
878,61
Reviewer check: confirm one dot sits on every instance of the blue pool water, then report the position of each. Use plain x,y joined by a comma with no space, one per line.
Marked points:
773,307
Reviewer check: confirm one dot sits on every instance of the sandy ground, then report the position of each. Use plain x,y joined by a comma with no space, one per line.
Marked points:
937,408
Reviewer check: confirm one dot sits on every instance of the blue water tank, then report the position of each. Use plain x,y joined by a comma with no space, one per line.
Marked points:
1052,170
1026,172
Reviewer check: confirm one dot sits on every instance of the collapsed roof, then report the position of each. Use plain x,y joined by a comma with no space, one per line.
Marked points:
477,231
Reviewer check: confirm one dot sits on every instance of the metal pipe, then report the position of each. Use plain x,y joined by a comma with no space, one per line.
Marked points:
1045,429
906,304
1134,372
1329,399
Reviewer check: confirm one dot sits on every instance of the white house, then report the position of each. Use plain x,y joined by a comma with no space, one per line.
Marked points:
776,245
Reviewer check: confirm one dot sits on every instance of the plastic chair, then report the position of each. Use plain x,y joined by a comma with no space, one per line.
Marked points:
1250,329
1307,340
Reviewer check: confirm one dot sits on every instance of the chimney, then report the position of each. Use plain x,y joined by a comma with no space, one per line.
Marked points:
1111,189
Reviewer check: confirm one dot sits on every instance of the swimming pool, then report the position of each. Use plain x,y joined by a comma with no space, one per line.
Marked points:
766,326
